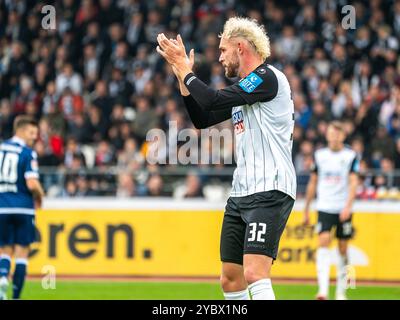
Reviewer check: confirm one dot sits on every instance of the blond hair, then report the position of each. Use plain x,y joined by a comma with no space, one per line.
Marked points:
249,29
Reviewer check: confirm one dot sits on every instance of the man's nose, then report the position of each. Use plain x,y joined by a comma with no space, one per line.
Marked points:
220,59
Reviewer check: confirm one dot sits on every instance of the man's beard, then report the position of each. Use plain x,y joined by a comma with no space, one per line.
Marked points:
232,70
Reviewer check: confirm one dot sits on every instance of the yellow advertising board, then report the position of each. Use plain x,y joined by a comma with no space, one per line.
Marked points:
186,243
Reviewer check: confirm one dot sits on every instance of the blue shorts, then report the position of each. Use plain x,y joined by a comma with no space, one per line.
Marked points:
17,229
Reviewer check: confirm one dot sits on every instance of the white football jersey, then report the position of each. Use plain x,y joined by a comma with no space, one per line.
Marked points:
264,139
333,169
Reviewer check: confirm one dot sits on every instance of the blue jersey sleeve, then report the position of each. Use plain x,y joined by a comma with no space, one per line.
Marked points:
31,167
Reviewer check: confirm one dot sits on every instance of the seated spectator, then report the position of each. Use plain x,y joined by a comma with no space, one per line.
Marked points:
130,157
68,78
104,154
194,188
155,186
72,150
83,187
126,186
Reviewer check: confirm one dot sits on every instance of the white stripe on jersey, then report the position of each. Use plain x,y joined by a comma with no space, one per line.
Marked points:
333,178
31,174
264,147
10,148
17,211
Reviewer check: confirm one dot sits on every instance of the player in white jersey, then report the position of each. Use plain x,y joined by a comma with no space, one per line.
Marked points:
335,179
264,182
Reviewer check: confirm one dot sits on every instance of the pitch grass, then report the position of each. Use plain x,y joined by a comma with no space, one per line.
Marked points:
110,290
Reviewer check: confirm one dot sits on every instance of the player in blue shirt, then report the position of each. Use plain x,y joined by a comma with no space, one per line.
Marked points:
20,194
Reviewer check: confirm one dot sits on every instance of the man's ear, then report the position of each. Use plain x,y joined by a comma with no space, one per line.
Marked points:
240,47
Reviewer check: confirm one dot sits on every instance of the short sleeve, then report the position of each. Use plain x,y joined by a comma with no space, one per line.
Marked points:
355,165
314,166
259,86
31,165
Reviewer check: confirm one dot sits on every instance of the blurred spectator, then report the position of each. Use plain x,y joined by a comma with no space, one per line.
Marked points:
130,157
145,118
382,146
193,186
6,119
68,78
302,160
45,158
83,187
126,186
302,111
289,45
72,150
70,189
155,186
104,154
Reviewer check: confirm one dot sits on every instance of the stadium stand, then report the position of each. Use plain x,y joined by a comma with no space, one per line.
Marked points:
97,86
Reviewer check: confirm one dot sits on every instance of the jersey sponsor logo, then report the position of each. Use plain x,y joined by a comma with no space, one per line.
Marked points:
238,122
262,71
332,177
250,83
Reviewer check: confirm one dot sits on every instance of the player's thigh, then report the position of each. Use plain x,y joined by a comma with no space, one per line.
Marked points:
345,229
326,221
232,278
324,239
7,232
232,239
7,250
256,267
25,232
266,215
21,252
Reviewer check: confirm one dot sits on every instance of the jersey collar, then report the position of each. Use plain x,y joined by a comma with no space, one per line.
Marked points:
18,140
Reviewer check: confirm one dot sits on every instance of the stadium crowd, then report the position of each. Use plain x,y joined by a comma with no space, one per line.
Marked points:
97,86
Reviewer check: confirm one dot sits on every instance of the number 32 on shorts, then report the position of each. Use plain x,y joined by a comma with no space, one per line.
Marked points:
257,231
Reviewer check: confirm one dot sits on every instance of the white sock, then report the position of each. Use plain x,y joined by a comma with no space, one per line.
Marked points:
323,267
262,290
237,295
341,278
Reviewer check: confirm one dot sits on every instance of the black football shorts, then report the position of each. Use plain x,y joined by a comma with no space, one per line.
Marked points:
327,221
254,224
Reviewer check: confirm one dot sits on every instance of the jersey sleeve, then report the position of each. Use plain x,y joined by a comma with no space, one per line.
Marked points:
31,167
355,165
261,85
314,166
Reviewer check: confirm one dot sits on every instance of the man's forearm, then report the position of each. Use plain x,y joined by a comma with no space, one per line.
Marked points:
352,194
309,197
37,192
310,192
